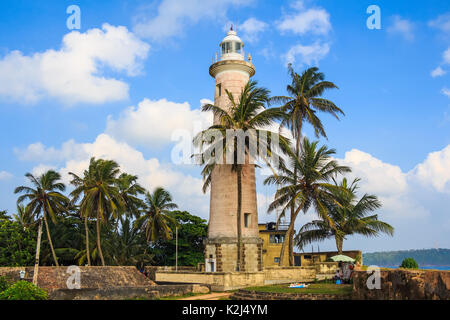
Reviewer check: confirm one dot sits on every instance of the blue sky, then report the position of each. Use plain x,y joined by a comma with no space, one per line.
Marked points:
119,90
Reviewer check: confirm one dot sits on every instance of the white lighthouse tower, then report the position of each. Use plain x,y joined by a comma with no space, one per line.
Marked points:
232,72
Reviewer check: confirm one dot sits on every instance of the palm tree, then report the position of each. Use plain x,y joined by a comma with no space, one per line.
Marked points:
44,200
247,113
129,190
349,215
307,188
24,218
101,197
81,187
156,219
302,104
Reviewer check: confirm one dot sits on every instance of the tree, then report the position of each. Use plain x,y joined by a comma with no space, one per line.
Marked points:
349,215
191,232
24,218
101,197
307,188
302,105
16,243
156,219
45,200
130,191
247,115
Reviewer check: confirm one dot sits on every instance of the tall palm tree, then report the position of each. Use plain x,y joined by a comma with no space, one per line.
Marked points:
309,187
349,215
45,200
81,188
101,197
247,113
130,190
156,218
302,104
24,218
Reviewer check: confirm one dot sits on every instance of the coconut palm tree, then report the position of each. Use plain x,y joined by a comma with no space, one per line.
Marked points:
44,200
101,197
130,191
349,214
24,218
309,187
157,218
247,113
302,104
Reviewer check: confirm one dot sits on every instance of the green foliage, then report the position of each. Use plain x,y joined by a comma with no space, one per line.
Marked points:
409,263
4,284
23,290
191,232
17,245
436,257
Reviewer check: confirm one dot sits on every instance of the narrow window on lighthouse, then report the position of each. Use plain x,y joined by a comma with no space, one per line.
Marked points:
219,90
246,220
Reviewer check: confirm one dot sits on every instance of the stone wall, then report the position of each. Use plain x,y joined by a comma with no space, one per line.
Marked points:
275,275
218,281
52,278
225,281
402,284
124,293
257,295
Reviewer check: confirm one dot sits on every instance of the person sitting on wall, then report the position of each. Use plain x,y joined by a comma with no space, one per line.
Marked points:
337,275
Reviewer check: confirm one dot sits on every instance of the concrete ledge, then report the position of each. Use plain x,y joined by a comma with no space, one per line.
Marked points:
257,295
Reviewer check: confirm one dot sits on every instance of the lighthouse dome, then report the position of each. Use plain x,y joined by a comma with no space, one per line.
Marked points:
232,47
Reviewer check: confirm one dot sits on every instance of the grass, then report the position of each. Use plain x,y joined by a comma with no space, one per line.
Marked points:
314,288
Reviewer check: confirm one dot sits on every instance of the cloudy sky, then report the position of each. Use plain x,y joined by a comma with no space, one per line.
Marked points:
137,72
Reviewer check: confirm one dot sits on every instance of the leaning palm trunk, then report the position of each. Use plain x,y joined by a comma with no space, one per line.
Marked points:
289,231
99,245
239,224
38,252
86,227
50,240
339,244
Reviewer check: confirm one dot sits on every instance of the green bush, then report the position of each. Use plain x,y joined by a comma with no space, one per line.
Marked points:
23,290
4,284
409,263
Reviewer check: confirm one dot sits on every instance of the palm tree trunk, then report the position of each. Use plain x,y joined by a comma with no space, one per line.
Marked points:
86,227
50,240
339,245
38,253
291,234
99,245
289,231
239,223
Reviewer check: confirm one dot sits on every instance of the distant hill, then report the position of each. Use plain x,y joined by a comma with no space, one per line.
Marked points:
430,257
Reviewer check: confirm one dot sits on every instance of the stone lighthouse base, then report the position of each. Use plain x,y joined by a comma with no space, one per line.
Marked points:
221,255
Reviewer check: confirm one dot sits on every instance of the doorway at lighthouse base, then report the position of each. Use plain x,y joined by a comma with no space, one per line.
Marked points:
221,255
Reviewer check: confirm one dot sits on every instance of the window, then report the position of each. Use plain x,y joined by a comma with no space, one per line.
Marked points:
226,47
276,260
238,47
307,257
246,220
276,238
219,90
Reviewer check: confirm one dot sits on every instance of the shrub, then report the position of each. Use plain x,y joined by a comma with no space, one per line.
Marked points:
409,263
4,284
23,290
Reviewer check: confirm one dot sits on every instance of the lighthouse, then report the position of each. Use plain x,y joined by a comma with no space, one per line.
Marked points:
232,72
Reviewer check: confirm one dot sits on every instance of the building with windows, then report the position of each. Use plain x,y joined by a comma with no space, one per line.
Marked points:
273,237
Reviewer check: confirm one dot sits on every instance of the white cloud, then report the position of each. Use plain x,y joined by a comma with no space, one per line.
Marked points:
307,54
4,175
446,91
306,21
435,170
442,22
73,74
402,27
251,29
438,72
173,16
152,123
446,56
